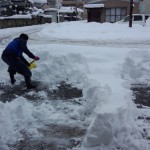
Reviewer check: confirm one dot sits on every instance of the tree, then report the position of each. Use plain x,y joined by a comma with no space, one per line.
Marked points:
5,7
5,2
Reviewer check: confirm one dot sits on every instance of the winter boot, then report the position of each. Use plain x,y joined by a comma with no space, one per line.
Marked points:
12,78
29,84
12,72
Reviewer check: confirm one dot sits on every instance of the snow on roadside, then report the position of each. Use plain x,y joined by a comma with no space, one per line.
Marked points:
148,22
95,31
136,67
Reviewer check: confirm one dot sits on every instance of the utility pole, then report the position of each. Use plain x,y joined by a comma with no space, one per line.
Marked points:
76,8
58,5
131,12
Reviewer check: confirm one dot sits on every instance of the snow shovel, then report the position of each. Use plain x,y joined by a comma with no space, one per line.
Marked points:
32,65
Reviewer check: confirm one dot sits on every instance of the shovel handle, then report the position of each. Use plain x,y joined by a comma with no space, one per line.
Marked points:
32,62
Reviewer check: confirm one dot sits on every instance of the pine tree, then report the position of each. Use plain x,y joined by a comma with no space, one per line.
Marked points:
5,3
5,7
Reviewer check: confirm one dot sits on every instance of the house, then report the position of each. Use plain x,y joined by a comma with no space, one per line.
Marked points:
64,10
145,7
40,4
53,3
76,9
70,13
75,3
109,10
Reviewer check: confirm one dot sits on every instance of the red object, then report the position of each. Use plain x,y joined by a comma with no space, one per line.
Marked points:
36,58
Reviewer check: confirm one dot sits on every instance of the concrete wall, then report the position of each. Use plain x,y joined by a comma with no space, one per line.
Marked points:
19,22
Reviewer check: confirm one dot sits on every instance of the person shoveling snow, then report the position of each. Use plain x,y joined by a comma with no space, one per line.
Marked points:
12,56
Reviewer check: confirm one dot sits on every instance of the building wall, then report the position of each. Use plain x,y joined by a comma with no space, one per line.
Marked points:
145,7
52,3
114,4
118,4
78,3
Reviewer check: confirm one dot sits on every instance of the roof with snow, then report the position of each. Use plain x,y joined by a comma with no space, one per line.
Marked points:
100,1
51,9
93,5
69,9
39,1
17,17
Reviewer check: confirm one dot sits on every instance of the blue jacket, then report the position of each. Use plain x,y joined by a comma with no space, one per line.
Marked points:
16,48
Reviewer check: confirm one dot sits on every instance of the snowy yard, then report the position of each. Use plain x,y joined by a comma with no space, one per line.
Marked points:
98,61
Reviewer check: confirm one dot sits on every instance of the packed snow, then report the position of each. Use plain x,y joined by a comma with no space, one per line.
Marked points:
104,72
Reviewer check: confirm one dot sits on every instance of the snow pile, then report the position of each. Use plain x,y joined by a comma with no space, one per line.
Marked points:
17,17
97,31
14,117
136,67
40,1
148,22
69,9
53,69
110,131
37,11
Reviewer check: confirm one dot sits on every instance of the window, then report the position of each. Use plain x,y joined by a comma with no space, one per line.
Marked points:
146,17
114,14
137,18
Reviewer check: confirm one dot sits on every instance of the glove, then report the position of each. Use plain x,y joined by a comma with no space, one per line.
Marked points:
36,58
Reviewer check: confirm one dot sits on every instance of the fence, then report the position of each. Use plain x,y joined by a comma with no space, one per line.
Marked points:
9,22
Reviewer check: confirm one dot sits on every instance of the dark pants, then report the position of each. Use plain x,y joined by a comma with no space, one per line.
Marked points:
16,65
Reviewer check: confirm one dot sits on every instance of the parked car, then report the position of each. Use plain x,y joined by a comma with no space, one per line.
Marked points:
136,19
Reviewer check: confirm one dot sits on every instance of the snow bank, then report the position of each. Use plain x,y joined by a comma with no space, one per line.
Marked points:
148,22
14,117
136,67
97,31
53,69
17,17
111,131
40,1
